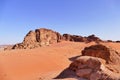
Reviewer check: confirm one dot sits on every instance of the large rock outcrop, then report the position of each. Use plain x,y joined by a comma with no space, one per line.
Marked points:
46,36
74,38
77,38
39,37
93,38
43,37
101,51
97,62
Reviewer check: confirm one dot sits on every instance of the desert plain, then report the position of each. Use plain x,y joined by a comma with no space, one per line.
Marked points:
43,63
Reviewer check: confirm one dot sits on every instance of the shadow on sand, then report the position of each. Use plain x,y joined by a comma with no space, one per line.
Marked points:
67,73
74,58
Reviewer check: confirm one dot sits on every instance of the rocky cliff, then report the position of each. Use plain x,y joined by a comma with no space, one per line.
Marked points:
44,37
39,37
77,38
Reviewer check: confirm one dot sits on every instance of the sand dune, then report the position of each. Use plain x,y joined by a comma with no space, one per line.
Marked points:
43,63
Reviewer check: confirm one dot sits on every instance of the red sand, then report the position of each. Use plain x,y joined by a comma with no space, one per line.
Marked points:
44,62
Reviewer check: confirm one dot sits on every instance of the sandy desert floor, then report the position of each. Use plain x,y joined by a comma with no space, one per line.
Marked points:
43,63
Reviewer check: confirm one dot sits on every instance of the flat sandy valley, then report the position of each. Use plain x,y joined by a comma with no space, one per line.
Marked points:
43,63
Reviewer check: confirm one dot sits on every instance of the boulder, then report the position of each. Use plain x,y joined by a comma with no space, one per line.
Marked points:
85,62
93,68
97,62
101,51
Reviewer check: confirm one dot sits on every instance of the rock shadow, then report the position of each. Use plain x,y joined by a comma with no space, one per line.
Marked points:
74,58
66,73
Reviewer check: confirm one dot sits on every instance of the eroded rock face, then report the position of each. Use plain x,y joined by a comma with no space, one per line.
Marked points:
93,38
92,68
97,62
44,37
77,38
39,37
101,51
30,38
85,62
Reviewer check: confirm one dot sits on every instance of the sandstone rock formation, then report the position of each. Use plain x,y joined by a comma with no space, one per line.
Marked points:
93,38
117,41
39,37
77,38
46,36
43,37
109,41
97,62
101,51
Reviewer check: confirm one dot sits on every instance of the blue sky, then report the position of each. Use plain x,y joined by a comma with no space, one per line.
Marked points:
82,17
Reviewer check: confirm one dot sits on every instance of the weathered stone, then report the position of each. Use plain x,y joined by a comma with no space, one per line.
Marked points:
99,62
74,38
117,41
45,37
93,38
84,62
96,76
84,73
103,52
39,37
100,51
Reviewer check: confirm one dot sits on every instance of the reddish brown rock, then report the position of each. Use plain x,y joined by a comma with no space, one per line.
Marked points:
97,62
101,51
67,37
96,75
77,38
117,41
109,41
85,66
39,37
93,38
85,62
85,73
98,71
30,38
74,38
44,37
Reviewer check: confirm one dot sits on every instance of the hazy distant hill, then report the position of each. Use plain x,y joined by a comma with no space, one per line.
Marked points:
3,46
